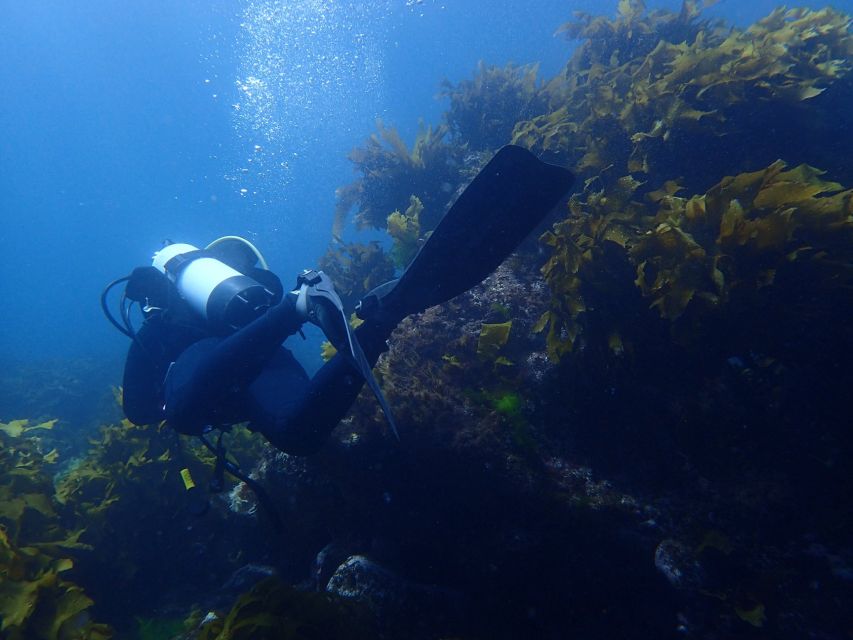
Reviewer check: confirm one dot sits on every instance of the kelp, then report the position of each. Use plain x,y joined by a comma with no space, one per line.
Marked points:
37,604
493,337
649,93
16,428
698,254
737,236
36,601
484,110
356,268
405,229
390,173
272,610
671,102
28,511
633,34
601,222
667,98
122,510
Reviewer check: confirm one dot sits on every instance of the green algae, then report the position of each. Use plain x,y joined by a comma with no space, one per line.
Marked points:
508,403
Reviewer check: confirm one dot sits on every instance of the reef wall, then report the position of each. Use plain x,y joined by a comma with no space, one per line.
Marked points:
636,427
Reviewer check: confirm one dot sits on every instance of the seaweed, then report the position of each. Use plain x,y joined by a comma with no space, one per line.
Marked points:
128,510
357,268
646,93
492,339
273,610
36,601
696,284
405,229
633,34
159,628
484,110
390,173
698,254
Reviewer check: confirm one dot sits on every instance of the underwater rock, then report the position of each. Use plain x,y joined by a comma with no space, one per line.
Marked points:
241,500
400,604
272,610
678,565
246,577
361,578
327,561
642,480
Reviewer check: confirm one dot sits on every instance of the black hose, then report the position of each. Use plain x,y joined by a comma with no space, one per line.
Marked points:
106,309
260,493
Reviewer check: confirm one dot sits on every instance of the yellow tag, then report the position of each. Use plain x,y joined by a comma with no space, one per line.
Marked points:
188,479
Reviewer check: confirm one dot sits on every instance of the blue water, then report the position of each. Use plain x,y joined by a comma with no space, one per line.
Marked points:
122,124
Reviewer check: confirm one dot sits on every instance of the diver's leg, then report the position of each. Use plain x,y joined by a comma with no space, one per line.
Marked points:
205,383
501,206
300,423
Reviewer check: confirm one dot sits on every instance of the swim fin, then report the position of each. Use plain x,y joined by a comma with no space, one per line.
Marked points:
495,213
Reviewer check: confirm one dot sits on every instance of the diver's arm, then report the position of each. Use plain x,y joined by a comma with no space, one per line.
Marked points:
305,424
208,376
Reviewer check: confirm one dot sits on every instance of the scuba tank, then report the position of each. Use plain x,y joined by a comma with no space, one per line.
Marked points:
224,297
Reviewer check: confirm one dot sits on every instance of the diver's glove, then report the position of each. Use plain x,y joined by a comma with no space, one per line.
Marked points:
317,302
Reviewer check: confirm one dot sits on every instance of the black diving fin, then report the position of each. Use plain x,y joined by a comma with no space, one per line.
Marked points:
510,196
502,205
332,319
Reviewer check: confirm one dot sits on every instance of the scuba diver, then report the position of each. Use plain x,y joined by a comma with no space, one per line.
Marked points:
210,350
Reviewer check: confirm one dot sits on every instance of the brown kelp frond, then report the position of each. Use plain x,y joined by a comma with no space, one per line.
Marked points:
647,92
356,268
37,603
483,110
697,253
273,609
36,600
405,229
633,34
389,173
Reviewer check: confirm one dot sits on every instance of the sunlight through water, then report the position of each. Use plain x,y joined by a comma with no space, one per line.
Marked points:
310,71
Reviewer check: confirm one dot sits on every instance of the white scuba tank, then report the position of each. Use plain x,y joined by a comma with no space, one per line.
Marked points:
223,296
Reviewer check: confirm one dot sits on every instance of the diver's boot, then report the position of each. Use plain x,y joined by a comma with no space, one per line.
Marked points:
381,305
510,196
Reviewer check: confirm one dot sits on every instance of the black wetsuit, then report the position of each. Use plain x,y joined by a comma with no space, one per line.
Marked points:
177,371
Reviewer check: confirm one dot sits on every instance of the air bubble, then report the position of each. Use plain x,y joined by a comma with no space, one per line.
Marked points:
303,66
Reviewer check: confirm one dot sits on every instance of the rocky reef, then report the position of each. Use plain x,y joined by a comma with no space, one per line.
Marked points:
636,427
